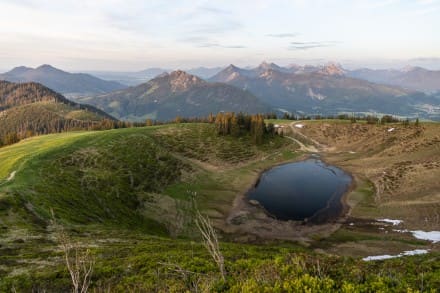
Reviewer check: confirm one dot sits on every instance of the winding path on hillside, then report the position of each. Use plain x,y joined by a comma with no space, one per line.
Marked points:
11,177
314,147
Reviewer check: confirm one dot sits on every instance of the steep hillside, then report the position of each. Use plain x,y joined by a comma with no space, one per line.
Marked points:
326,90
176,94
415,78
30,108
61,81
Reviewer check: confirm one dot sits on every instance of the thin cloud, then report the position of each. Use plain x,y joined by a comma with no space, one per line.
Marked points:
311,45
194,39
283,35
214,10
216,45
205,42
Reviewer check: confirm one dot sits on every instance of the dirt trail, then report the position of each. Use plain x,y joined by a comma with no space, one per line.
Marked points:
303,147
312,148
11,176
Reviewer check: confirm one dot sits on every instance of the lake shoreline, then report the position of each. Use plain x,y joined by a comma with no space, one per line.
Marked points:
258,224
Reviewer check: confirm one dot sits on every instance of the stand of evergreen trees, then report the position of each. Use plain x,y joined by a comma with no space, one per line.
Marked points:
243,124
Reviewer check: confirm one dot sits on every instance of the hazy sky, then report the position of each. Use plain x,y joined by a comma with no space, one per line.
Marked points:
136,34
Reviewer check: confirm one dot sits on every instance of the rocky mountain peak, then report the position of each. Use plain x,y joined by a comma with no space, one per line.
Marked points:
332,69
180,80
269,66
232,68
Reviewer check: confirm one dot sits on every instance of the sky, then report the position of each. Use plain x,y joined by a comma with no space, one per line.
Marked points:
129,35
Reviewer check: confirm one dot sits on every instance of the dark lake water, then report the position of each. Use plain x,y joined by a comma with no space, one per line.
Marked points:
308,189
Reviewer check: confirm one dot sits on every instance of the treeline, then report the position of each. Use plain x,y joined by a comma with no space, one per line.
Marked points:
233,124
369,119
17,127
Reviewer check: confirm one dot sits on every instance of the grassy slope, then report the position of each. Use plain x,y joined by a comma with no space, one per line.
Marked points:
102,179
15,156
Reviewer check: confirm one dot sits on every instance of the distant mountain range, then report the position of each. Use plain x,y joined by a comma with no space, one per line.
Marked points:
36,108
72,84
176,94
415,78
325,89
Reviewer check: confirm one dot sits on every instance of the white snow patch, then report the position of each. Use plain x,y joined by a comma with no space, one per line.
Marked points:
433,236
387,256
351,152
379,257
299,125
394,222
415,252
391,129
11,176
351,224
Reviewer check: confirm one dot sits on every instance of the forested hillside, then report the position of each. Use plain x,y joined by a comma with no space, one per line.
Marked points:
28,109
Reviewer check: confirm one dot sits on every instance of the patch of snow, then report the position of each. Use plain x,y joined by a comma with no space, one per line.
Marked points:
351,152
394,222
391,129
379,257
351,224
415,252
433,236
387,256
299,125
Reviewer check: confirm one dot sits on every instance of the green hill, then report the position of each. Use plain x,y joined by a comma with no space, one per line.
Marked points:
103,177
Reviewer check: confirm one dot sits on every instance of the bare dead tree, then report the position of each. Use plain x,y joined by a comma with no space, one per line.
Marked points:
210,241
79,261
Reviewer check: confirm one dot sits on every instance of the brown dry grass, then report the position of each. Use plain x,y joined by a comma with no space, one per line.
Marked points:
403,165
